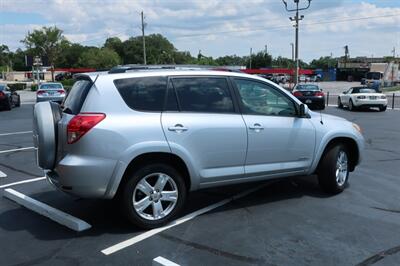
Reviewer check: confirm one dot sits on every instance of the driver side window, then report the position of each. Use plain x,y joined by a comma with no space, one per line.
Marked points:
261,99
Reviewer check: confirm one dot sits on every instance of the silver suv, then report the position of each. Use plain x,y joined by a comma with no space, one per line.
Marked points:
150,137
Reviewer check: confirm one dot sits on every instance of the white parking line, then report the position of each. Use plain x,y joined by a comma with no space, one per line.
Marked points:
190,216
160,261
2,174
19,149
47,211
23,182
15,133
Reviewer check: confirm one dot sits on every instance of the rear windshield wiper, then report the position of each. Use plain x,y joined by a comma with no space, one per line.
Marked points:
67,110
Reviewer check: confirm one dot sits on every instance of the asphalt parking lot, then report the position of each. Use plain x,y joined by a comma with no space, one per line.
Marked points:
283,222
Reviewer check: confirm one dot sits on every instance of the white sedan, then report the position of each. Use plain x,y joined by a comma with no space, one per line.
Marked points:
358,97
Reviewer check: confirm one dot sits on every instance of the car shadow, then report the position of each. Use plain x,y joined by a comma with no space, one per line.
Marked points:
106,219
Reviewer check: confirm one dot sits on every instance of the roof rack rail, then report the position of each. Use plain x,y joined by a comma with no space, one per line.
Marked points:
137,67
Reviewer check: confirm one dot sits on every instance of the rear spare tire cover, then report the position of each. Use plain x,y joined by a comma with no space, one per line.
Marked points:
45,119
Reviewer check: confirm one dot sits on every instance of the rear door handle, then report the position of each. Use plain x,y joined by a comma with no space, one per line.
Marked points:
256,127
178,128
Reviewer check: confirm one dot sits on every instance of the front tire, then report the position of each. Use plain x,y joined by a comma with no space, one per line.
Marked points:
351,105
333,170
153,195
340,105
382,108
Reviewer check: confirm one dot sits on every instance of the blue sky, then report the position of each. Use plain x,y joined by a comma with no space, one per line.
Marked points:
215,27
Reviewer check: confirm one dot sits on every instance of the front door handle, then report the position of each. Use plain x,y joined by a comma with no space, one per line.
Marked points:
256,127
178,128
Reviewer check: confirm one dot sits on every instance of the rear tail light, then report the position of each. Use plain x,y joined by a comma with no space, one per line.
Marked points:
40,92
2,95
361,97
61,91
81,124
319,93
297,94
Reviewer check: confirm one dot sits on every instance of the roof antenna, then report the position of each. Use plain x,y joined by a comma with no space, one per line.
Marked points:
320,115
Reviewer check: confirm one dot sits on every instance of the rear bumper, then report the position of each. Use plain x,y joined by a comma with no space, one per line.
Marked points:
370,103
82,176
313,101
52,99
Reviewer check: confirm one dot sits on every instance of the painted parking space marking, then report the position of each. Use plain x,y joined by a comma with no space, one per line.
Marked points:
15,133
19,149
188,217
23,182
2,174
161,261
46,210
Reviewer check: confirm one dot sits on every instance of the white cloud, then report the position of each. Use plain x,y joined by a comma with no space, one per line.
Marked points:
222,27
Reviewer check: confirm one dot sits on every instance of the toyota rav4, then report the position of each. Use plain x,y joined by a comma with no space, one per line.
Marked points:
150,137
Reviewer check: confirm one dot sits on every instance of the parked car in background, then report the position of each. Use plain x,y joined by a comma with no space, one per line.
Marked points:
8,98
362,97
50,91
150,137
311,95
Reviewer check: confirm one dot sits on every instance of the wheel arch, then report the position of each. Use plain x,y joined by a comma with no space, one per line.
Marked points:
160,157
351,146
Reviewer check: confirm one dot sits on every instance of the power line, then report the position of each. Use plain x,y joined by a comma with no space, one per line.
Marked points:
286,26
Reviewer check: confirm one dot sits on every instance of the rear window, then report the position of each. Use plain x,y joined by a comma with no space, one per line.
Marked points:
143,94
52,86
76,97
308,88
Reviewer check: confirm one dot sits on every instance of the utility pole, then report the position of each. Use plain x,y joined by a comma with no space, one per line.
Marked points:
251,52
144,39
266,49
346,55
394,52
296,26
291,44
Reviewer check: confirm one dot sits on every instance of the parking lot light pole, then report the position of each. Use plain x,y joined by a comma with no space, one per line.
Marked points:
296,19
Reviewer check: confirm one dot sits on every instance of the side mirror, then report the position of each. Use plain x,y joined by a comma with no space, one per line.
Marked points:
303,110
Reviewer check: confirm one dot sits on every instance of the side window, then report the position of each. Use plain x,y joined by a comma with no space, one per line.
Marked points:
143,94
203,94
261,99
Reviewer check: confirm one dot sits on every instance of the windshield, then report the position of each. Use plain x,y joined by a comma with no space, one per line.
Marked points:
51,86
308,88
363,90
2,87
374,75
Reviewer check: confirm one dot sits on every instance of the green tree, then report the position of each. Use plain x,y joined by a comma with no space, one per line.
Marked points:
260,60
115,44
70,54
283,62
99,58
324,62
231,60
4,55
45,42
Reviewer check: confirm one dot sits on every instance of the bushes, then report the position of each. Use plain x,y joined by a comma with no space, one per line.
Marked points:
67,82
34,87
17,86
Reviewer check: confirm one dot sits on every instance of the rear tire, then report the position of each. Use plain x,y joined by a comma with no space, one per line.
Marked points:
382,108
151,196
8,106
18,104
333,169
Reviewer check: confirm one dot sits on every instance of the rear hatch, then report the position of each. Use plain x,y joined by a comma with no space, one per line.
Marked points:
71,107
